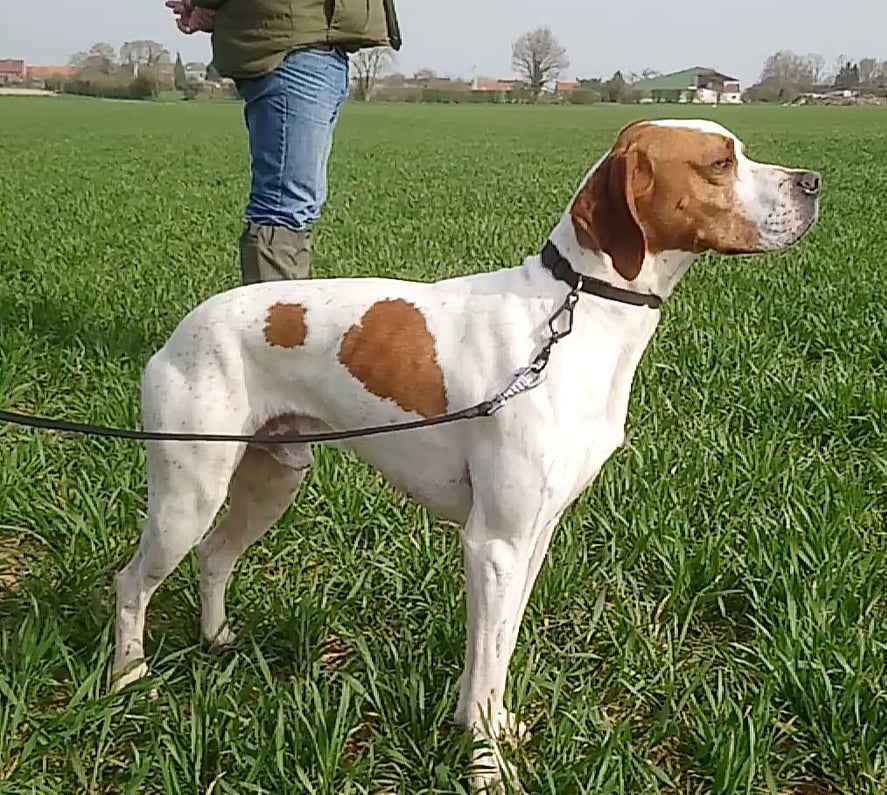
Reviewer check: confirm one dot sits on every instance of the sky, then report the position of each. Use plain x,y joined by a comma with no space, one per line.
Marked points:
461,38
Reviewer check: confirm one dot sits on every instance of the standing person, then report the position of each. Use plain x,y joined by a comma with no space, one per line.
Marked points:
289,62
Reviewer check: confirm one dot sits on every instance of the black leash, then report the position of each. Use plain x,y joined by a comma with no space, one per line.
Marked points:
525,379
484,409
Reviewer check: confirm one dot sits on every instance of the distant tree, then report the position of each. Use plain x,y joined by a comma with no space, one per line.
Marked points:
520,92
770,91
789,70
179,76
785,75
848,76
538,58
143,52
395,78
212,74
100,58
595,84
648,73
584,96
369,64
870,71
615,88
145,85
816,66
840,61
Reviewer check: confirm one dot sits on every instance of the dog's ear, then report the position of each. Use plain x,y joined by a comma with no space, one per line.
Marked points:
605,214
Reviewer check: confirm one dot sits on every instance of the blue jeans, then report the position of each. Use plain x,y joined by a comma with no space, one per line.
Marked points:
290,115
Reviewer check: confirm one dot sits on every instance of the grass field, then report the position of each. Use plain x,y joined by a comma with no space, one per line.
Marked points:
712,617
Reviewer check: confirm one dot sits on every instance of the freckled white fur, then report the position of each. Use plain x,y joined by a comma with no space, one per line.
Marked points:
506,479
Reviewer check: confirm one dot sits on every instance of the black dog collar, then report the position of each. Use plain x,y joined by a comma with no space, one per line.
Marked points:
561,269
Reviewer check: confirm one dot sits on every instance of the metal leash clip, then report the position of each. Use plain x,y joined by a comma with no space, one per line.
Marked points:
532,375
524,380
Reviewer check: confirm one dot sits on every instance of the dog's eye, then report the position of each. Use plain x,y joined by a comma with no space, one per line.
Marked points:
723,164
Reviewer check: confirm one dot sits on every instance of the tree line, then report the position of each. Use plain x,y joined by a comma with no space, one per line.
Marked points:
539,60
786,75
537,57
139,69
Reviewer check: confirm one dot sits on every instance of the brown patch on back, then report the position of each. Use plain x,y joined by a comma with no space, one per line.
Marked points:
659,189
285,325
391,352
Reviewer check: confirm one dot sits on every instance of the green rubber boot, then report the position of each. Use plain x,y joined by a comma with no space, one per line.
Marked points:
273,253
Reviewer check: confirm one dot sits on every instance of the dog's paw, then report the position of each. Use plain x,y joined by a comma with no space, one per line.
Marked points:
492,775
513,730
129,675
221,638
505,726
224,637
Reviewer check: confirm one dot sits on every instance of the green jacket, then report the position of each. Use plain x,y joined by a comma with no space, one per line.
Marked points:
252,37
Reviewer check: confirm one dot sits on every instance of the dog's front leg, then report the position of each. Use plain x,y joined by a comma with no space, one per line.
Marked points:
499,567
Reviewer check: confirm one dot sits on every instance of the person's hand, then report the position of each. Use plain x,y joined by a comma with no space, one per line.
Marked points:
182,13
202,19
191,20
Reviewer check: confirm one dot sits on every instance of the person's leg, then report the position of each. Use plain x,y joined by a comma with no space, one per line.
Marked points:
290,116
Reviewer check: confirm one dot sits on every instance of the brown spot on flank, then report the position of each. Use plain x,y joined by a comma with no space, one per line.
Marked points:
391,352
285,325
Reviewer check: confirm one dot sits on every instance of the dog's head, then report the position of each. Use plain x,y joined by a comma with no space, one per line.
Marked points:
687,186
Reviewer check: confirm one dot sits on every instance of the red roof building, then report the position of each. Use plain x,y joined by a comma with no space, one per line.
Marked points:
11,70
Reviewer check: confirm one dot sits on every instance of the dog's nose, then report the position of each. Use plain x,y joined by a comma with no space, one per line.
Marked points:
810,182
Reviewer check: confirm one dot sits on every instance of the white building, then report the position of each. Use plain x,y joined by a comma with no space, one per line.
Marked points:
697,85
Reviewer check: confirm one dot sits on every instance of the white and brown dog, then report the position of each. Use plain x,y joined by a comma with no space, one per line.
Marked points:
307,356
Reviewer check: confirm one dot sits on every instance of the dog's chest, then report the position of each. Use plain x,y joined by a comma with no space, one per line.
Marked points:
589,424
426,466
605,440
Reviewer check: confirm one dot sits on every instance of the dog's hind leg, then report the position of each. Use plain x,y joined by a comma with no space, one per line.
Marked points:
186,488
261,490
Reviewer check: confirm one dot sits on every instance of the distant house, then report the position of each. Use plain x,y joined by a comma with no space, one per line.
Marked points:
565,86
11,70
195,71
40,74
412,88
486,84
697,85
396,80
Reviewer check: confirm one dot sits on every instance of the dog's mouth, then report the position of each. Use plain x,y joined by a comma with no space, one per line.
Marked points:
788,223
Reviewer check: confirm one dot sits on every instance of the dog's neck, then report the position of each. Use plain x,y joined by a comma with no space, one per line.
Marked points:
659,273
